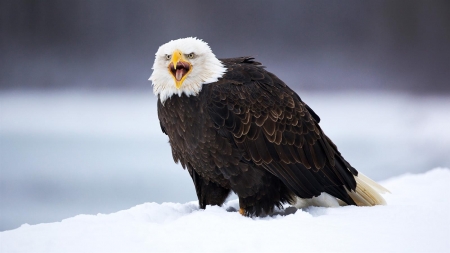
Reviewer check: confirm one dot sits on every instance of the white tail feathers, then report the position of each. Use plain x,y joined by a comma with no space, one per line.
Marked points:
323,200
367,193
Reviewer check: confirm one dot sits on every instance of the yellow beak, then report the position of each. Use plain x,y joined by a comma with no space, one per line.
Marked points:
179,67
176,57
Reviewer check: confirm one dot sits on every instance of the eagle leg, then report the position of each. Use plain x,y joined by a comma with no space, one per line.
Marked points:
208,192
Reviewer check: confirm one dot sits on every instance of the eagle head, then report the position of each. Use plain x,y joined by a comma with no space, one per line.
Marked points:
183,66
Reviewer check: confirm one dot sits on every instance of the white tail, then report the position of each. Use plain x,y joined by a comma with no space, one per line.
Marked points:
367,193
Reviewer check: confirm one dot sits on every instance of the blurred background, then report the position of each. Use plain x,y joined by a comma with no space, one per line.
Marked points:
79,132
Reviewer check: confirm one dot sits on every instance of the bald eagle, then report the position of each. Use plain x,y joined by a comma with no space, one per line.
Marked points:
237,127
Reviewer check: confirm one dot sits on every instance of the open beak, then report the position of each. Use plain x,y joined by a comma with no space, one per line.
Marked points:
179,67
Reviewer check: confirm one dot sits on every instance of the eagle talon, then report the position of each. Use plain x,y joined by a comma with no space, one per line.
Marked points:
242,211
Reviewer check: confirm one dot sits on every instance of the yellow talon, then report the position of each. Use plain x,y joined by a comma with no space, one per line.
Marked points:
242,211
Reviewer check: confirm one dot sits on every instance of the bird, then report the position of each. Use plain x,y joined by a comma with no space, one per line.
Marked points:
236,127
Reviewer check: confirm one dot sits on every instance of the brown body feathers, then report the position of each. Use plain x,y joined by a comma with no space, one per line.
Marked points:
251,134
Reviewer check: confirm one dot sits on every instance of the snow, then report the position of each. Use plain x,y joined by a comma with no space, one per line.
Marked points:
416,219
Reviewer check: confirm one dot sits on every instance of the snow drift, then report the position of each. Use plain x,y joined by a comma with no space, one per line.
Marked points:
415,220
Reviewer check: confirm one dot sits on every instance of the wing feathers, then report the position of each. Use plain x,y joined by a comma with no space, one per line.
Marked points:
262,149
274,129
269,127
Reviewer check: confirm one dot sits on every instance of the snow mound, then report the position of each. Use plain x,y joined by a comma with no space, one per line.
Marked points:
416,219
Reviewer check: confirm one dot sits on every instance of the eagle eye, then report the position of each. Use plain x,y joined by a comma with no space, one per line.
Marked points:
191,55
167,56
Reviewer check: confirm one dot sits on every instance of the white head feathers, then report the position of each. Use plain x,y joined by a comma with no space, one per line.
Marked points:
204,68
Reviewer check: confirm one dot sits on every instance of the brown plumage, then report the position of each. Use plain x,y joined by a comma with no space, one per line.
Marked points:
251,134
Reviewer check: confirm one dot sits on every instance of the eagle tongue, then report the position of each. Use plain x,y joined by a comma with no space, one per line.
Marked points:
180,73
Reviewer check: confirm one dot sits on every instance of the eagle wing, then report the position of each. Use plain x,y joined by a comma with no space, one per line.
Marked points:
274,129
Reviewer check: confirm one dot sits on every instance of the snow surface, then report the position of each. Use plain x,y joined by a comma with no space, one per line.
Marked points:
416,219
